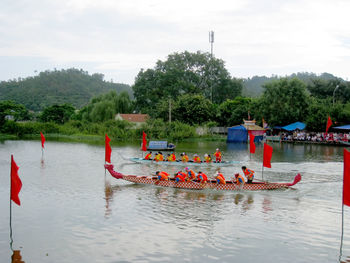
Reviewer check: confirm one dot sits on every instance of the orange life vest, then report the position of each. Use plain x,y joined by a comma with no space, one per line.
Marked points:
220,179
180,177
242,179
163,176
148,156
196,159
201,177
191,175
249,173
185,158
218,156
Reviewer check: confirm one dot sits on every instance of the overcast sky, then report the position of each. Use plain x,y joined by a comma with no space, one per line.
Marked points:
119,37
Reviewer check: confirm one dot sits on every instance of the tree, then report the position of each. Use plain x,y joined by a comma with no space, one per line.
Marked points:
184,73
17,111
193,109
232,112
284,101
57,113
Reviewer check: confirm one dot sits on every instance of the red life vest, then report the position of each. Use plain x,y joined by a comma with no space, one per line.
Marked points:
201,177
180,177
163,176
220,179
249,173
148,156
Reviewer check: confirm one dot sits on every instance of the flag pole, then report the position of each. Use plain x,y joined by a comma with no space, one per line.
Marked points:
342,233
11,240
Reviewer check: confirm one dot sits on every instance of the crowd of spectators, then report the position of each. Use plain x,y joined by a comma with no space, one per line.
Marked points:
331,137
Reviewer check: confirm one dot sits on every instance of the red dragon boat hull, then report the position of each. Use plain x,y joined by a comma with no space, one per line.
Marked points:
211,184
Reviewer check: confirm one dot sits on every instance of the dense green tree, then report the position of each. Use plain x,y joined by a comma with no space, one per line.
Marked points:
10,108
184,73
232,112
284,101
71,86
57,113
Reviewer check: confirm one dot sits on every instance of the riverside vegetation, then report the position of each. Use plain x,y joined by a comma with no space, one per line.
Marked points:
194,87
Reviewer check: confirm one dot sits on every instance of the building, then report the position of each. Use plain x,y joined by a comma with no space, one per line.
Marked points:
137,119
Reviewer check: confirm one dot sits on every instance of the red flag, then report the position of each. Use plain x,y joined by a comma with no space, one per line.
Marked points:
267,155
346,178
42,139
329,123
251,142
144,141
16,183
108,150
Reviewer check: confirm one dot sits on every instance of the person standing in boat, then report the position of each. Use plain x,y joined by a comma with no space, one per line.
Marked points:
249,174
162,176
239,179
220,179
148,156
191,175
202,177
217,155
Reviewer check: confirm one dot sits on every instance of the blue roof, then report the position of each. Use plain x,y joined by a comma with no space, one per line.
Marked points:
344,127
294,126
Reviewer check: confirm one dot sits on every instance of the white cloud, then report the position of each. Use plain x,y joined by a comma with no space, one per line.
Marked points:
117,38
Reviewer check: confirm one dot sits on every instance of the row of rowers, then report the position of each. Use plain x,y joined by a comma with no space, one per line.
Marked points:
158,157
200,177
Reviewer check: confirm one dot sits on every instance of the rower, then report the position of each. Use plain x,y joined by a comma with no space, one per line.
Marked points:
249,174
220,179
162,176
207,158
239,179
148,156
202,177
159,157
191,175
217,155
180,176
196,159
184,158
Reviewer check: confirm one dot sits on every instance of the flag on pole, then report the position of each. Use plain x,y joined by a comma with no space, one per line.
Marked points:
16,183
346,178
267,155
108,149
144,141
42,139
329,123
251,142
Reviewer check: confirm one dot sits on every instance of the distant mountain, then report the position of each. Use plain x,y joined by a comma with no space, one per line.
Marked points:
253,87
72,86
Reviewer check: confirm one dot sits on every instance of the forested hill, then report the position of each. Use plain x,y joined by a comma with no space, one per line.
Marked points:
252,87
72,86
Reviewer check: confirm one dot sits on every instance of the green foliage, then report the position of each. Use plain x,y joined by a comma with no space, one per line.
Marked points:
10,108
57,113
232,112
284,101
104,107
70,86
184,73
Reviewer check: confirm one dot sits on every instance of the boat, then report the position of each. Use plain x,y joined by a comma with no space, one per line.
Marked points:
193,185
160,146
178,162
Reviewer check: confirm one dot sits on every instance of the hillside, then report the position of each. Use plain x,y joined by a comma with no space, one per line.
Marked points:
72,86
253,87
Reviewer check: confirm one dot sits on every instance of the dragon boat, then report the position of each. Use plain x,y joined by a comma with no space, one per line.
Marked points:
204,164
210,184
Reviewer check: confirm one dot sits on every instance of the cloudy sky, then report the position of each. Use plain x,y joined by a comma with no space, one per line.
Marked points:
119,37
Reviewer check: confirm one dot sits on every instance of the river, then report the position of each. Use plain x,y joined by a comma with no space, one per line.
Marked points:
72,211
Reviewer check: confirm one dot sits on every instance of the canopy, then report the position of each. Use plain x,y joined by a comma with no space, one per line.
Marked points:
294,126
237,134
344,127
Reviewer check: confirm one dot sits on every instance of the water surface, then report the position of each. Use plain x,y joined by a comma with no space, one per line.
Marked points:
72,211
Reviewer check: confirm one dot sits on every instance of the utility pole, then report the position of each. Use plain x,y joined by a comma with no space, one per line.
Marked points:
211,41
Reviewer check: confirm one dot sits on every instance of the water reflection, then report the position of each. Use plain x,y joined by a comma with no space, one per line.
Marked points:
246,204
16,257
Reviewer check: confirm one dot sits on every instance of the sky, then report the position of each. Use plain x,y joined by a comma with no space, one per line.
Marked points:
118,38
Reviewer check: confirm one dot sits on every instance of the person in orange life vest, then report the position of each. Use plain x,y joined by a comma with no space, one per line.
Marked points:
184,158
217,155
202,177
220,179
173,157
249,174
196,159
163,176
148,156
240,180
180,176
168,159
207,158
191,175
159,157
